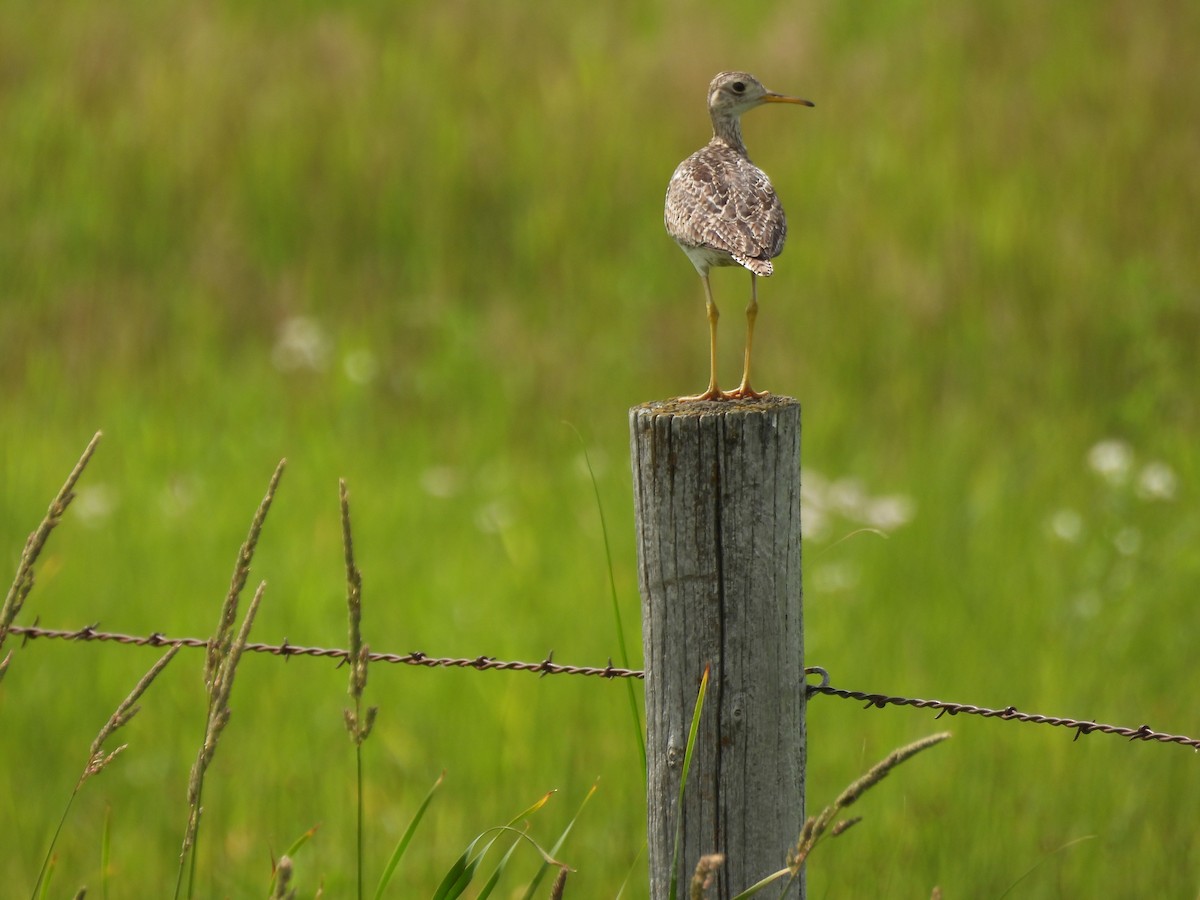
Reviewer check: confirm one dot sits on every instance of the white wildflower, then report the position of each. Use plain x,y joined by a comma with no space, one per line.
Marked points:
814,522
889,512
1157,481
847,496
830,578
441,481
94,503
1066,525
301,344
1128,541
1112,460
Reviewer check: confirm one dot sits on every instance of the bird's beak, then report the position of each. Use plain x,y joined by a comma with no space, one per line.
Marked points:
772,97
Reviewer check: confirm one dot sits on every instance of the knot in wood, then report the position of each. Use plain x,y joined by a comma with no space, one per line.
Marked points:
675,755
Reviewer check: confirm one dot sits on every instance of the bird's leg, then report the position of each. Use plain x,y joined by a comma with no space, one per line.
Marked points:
743,391
713,392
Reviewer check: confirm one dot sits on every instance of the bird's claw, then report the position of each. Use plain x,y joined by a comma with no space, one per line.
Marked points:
745,392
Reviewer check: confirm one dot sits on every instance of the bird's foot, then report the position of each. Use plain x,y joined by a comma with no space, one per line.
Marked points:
744,392
713,393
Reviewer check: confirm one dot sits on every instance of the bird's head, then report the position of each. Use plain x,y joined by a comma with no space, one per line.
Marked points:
733,93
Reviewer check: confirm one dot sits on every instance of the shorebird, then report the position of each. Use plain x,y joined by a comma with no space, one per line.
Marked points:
722,210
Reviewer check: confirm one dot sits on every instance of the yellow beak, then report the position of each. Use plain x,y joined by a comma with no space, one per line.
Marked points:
772,97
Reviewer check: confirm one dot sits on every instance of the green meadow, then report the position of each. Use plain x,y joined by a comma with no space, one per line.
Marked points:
420,247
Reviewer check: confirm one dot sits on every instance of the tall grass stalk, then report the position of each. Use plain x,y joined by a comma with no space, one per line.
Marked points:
224,653
683,777
816,827
49,873
23,581
357,724
218,718
635,866
105,852
98,760
219,644
1067,846
630,690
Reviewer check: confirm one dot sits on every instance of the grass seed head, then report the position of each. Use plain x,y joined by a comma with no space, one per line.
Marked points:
705,875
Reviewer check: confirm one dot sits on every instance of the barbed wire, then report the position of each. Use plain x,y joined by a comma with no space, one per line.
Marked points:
1008,714
549,667
287,650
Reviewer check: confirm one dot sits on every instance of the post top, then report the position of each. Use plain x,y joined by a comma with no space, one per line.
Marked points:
677,407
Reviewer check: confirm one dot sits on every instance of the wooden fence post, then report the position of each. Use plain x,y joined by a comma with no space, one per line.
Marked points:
717,497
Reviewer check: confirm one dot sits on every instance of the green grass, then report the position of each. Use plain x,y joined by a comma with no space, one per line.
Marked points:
991,268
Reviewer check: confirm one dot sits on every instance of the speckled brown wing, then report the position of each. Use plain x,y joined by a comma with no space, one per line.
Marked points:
719,200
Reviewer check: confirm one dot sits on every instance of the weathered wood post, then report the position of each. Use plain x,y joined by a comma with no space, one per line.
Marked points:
717,497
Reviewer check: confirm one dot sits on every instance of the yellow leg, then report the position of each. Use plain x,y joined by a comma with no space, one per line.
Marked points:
712,392
743,390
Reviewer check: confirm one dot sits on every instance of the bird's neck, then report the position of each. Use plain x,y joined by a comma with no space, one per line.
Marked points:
728,130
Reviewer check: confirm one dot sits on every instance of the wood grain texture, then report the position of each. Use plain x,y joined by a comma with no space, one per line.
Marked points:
717,497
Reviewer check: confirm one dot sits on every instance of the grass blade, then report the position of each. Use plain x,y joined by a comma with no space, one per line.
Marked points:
759,885
463,871
630,689
40,891
545,867
105,852
456,880
43,880
490,885
406,838
687,764
534,807
635,866
1068,845
289,854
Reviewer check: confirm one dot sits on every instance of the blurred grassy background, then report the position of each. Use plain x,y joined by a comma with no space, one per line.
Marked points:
404,243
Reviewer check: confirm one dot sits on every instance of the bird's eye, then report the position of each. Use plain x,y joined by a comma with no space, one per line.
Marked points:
738,87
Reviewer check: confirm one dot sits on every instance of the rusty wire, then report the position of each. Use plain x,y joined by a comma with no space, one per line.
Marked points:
1008,714
549,667
546,667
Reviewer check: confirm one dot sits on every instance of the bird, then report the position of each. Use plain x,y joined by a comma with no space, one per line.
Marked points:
722,210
